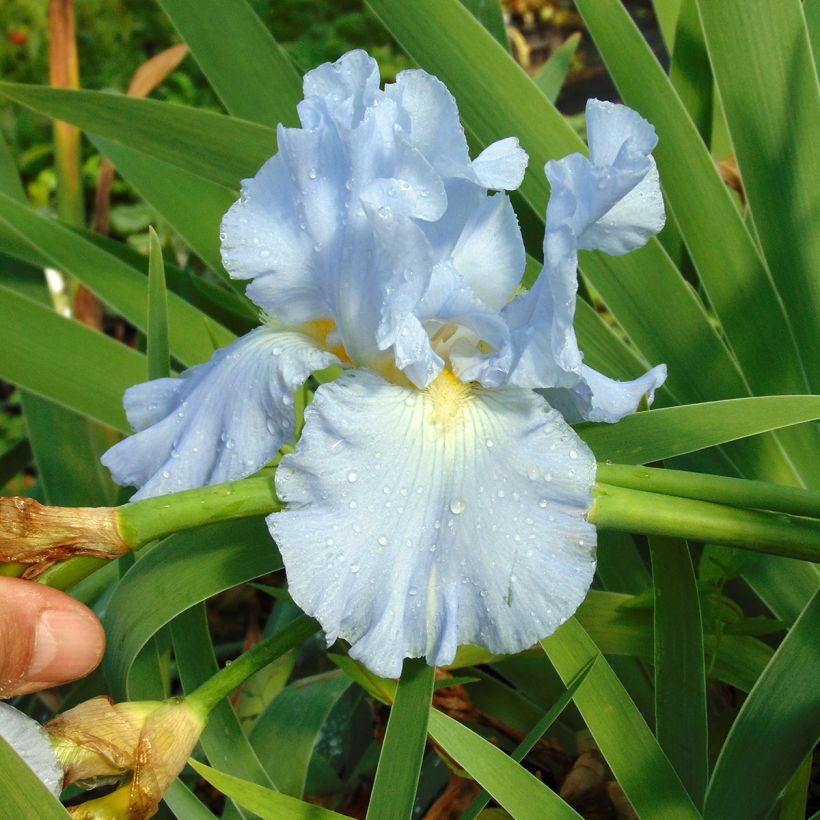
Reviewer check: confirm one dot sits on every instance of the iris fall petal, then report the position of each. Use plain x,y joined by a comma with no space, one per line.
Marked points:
218,421
417,521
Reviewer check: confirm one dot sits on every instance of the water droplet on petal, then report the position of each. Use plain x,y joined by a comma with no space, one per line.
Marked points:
573,454
543,503
457,506
382,539
412,591
532,473
166,474
354,568
312,173
351,476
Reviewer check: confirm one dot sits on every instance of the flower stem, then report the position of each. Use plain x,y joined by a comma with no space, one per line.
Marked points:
736,492
620,508
210,693
152,518
141,522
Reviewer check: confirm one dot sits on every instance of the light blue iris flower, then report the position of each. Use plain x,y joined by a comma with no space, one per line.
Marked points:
436,497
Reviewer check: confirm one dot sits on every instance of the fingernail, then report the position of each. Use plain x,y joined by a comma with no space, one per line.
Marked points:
66,646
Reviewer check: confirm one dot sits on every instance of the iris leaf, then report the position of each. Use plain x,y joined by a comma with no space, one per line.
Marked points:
620,732
777,726
185,569
63,360
397,775
247,68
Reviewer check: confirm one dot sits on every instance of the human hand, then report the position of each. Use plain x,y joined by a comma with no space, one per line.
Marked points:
46,638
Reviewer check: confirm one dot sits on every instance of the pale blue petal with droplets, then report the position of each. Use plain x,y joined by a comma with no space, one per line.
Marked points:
417,521
218,421
599,398
30,740
612,203
305,229
501,165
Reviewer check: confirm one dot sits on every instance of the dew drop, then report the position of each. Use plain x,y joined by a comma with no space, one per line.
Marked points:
386,490
382,539
312,173
351,476
457,506
354,568
412,591
483,593
166,474
352,505
543,503
548,477
532,473
573,454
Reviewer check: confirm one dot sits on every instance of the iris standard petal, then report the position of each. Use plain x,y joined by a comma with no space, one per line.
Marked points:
610,202
218,421
501,165
31,742
417,521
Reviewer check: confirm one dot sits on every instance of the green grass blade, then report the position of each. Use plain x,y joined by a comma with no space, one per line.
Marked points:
795,797
268,804
491,15
222,149
812,12
671,431
765,76
777,726
734,275
67,449
518,791
294,720
65,361
680,675
10,183
158,353
246,67
397,775
550,77
690,72
22,795
666,13
532,737
115,282
618,627
185,804
187,568
192,205
626,742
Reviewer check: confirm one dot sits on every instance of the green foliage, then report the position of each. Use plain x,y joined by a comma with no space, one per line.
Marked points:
689,667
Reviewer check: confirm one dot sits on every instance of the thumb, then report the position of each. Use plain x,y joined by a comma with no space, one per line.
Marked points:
46,638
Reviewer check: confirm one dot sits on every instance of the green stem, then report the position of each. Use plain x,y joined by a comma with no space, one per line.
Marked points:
736,492
144,521
152,518
619,508
210,693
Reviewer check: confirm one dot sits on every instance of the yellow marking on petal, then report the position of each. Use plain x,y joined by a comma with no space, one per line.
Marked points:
450,396
320,329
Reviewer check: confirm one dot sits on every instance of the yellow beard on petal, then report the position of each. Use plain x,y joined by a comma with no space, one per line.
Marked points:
450,396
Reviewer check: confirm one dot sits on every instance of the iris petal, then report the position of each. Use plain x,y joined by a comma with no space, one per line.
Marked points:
31,742
219,421
421,520
612,203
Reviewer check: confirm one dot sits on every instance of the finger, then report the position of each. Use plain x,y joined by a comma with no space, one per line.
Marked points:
46,638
